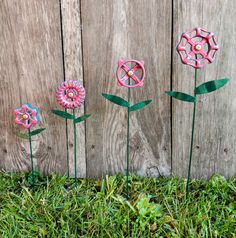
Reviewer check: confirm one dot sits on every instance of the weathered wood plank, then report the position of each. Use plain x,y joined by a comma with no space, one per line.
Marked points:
127,29
71,27
31,68
215,139
149,27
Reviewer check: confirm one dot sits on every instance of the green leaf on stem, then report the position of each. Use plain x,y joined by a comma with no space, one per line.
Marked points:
82,118
37,131
211,86
63,114
115,99
181,96
22,135
139,105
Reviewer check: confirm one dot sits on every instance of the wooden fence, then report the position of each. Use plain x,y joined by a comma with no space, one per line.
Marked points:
43,42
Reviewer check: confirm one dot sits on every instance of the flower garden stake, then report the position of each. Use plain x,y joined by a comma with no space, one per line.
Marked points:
27,116
197,48
71,95
130,74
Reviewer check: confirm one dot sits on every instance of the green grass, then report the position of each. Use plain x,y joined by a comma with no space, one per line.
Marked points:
93,208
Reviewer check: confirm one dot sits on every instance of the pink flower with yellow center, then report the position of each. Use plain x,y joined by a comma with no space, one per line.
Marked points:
130,73
26,115
70,94
197,47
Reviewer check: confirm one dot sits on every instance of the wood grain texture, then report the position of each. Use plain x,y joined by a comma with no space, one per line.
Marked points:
215,140
31,68
149,27
127,29
71,28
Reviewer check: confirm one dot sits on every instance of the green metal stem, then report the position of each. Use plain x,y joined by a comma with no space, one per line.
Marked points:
67,154
192,136
75,159
31,156
127,150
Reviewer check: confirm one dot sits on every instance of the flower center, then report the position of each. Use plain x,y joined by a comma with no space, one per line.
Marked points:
198,47
25,117
130,73
70,95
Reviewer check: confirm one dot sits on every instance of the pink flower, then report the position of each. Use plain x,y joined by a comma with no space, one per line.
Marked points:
26,115
70,94
130,73
197,47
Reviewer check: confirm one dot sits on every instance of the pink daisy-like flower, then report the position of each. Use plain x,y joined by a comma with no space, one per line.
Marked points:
197,47
26,115
70,94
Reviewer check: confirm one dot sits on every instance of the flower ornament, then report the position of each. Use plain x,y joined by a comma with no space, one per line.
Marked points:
197,47
130,73
26,115
70,94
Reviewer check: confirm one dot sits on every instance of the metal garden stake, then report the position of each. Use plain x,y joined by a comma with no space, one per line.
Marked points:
27,116
71,95
197,48
130,74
